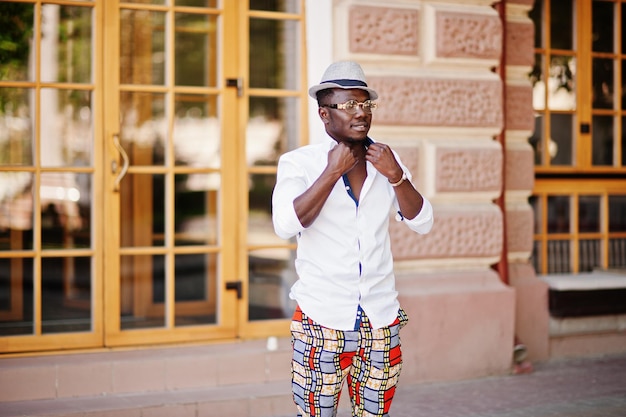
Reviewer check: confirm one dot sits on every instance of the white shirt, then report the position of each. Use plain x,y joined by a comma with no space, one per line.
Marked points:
344,257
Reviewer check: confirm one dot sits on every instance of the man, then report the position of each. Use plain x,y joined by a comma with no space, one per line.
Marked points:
336,197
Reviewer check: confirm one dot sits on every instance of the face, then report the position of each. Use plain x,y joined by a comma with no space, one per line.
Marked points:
341,125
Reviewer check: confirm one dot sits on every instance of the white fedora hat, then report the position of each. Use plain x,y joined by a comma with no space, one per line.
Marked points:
343,74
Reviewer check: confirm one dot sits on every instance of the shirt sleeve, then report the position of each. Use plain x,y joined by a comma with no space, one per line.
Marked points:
423,222
290,183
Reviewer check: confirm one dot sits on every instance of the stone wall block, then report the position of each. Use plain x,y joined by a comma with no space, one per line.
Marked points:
519,108
519,47
467,35
519,171
383,30
458,232
407,101
519,229
461,169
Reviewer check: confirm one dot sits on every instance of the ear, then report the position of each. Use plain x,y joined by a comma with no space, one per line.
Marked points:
323,113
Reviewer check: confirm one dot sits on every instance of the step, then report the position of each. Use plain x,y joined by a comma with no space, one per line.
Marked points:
270,399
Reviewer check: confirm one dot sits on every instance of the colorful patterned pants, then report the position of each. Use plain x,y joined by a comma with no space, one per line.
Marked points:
370,360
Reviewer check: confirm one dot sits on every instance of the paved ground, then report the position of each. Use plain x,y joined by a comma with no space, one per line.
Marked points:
594,387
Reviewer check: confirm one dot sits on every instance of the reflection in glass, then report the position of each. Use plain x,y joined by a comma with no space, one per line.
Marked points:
17,23
260,228
617,213
66,44
562,83
535,204
588,214
142,294
196,289
537,81
143,128
559,254
197,3
271,275
536,14
603,83
142,216
196,209
66,128
196,50
623,42
142,46
589,255
561,24
146,1
559,214
603,17
623,162
617,253
65,210
536,140
273,129
66,294
197,135
560,147
535,257
16,296
16,132
274,54
289,6
602,134
16,211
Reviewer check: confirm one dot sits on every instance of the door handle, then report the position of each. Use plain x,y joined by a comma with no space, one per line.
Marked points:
235,285
236,82
124,170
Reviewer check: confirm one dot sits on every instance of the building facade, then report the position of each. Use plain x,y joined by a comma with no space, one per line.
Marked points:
139,142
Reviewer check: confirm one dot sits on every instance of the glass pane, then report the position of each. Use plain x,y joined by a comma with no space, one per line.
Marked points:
16,211
66,295
536,257
589,255
16,126
16,296
260,229
602,140
271,275
535,204
289,6
196,50
536,140
603,17
142,294
196,289
274,54
66,128
589,214
536,14
65,210
142,127
142,216
603,83
146,1
617,253
142,46
273,129
560,147
66,44
623,161
17,22
539,86
197,135
562,83
561,24
623,29
623,77
559,257
559,214
197,3
617,213
196,209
